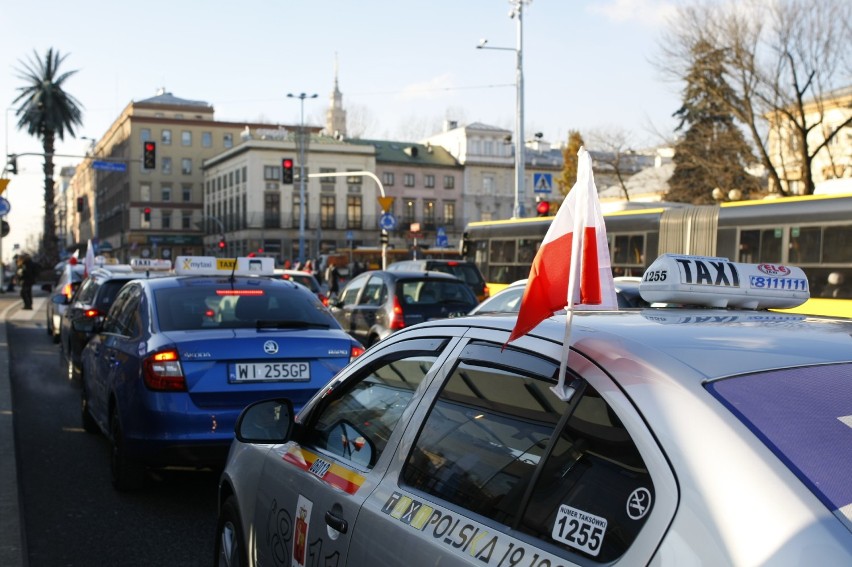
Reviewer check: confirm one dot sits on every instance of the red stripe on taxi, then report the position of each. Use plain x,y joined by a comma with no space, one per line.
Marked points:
337,476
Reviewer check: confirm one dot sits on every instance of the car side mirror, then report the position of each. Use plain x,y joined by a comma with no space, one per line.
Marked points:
267,421
59,299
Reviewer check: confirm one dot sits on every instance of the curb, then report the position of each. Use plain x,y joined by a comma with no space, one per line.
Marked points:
11,536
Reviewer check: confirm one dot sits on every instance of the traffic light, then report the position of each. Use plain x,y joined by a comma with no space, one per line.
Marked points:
79,204
543,208
12,163
149,155
287,171
222,244
146,214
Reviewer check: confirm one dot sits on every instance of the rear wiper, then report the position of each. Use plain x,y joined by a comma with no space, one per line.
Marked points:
291,325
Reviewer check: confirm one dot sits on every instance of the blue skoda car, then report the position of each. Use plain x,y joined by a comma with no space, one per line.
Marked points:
177,358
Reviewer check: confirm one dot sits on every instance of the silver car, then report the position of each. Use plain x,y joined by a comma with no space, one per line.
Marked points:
684,437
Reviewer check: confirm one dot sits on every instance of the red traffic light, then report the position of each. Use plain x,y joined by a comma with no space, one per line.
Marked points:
543,208
149,155
222,244
287,171
147,214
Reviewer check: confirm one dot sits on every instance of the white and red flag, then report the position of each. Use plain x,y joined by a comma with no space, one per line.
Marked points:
89,262
572,266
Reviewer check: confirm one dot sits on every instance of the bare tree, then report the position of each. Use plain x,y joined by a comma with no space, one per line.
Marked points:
614,149
782,59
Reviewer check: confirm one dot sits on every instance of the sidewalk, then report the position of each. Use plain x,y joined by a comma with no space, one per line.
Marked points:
12,548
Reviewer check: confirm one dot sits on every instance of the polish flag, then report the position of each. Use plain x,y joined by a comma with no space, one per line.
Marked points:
90,259
572,266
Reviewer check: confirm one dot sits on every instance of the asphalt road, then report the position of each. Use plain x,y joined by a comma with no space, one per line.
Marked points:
71,515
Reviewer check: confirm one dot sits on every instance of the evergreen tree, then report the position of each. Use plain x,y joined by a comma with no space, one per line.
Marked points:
46,112
569,168
712,152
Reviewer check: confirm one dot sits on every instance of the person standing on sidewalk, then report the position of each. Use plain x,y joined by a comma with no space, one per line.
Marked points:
26,278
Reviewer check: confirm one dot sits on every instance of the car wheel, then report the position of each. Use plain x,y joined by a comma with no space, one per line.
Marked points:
229,537
127,474
49,324
89,423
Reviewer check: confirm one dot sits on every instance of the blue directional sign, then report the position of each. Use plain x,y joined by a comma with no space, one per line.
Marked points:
542,183
109,165
441,240
5,207
387,222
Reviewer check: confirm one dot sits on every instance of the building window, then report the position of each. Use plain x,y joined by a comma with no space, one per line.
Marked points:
408,180
449,182
167,165
408,213
272,210
186,138
145,192
296,208
354,214
228,140
207,139
271,172
186,166
387,179
330,180
166,219
429,181
489,148
166,193
186,193
327,211
186,220
429,214
449,213
488,185
145,134
354,182
166,137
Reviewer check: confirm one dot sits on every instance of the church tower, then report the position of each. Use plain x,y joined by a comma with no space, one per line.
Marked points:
335,116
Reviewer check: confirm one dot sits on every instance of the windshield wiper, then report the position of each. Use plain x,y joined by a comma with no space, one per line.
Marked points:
291,325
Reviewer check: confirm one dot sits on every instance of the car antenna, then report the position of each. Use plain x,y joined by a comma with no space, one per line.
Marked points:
234,269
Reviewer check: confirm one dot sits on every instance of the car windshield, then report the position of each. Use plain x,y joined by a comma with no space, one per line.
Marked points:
425,292
465,272
224,306
306,280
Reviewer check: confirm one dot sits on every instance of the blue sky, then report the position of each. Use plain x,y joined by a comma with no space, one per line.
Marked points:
403,67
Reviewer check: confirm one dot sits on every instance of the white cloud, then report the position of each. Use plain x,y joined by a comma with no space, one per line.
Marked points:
646,12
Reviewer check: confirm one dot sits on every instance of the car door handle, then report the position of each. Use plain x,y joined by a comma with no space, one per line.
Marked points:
336,523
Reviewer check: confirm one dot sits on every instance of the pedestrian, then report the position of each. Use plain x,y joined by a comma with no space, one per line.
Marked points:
26,275
332,278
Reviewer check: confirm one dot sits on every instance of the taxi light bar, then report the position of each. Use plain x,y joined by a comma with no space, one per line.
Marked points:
212,266
718,282
150,264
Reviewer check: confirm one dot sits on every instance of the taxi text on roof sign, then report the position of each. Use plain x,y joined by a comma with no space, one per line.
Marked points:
212,266
718,282
151,264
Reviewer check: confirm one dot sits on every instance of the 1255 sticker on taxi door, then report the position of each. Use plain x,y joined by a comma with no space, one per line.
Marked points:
579,529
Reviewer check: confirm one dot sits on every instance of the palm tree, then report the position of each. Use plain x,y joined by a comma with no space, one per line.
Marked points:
47,111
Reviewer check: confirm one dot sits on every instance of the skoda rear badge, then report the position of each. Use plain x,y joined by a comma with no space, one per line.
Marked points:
270,347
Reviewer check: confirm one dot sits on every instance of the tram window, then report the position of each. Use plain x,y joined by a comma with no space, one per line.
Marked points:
502,251
749,246
805,245
527,250
770,245
636,248
621,249
837,247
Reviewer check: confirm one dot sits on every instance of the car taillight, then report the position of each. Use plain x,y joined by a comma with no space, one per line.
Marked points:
486,292
355,352
91,313
397,319
324,299
162,372
67,290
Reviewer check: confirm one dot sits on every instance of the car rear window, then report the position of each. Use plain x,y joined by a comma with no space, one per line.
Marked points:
223,306
465,272
106,295
804,415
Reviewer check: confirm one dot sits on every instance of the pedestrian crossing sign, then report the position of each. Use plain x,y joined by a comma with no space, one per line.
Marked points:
542,183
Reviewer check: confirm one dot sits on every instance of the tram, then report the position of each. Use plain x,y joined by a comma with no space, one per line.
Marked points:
813,232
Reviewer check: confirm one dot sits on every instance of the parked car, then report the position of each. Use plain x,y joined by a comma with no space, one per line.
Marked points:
375,304
466,271
178,357
60,296
702,435
508,299
90,304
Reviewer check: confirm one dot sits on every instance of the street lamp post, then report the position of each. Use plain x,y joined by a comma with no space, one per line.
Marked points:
520,189
301,97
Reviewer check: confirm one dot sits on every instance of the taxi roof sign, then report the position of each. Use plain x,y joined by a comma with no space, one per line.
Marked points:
718,282
212,266
150,264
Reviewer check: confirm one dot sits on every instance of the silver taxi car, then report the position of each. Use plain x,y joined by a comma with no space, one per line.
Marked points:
686,436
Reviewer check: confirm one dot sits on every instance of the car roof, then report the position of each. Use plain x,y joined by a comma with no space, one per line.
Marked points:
184,280
415,274
701,344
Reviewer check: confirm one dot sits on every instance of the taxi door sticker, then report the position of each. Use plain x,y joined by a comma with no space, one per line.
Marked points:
332,474
300,536
579,529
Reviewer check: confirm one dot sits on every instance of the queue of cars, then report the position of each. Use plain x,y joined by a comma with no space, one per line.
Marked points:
716,433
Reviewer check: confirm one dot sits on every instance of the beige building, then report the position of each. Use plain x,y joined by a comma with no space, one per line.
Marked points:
832,161
117,190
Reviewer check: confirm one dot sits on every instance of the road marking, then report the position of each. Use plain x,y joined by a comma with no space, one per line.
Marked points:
26,315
